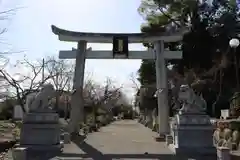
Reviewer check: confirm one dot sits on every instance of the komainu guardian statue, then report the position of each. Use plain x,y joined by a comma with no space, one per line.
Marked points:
40,130
192,122
41,99
191,101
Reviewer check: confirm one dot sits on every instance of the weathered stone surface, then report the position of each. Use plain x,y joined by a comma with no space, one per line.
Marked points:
192,132
42,116
43,128
223,153
169,139
191,128
19,153
67,138
41,99
40,132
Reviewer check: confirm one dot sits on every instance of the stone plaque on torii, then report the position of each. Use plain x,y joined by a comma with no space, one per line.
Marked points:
120,50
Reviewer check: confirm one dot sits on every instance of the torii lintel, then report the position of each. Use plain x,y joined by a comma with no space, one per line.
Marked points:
90,37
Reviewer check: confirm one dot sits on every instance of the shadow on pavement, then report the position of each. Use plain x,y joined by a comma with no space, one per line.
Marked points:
91,152
120,156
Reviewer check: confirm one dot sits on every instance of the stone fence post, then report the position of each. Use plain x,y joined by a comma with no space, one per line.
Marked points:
223,153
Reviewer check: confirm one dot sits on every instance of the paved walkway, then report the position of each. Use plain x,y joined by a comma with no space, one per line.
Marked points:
121,140
125,139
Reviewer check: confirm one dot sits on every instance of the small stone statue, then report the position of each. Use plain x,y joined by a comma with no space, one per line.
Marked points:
236,138
225,137
191,101
41,99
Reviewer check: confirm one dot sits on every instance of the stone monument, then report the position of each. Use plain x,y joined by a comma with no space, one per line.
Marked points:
191,129
40,130
18,112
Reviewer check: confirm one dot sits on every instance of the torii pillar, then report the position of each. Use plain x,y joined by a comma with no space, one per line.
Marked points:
77,113
162,90
122,40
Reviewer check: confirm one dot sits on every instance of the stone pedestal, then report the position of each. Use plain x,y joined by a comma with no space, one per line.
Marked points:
19,153
223,153
41,131
192,134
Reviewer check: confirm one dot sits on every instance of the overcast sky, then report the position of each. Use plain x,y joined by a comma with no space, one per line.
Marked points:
29,31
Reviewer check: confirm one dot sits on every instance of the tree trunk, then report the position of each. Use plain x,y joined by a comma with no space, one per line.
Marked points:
21,103
94,114
56,106
237,70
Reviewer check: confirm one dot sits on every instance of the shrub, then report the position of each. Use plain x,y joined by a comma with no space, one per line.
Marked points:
6,112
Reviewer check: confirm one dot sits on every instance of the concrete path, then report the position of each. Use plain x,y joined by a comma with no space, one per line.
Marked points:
121,140
125,139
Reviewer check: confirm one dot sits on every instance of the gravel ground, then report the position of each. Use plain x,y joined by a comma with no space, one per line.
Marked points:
6,155
7,130
2,155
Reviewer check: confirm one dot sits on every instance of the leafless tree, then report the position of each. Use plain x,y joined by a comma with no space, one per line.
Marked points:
136,86
133,79
63,75
101,96
4,15
26,80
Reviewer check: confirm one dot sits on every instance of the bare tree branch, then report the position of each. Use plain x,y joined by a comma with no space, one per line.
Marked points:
22,83
133,79
105,96
63,75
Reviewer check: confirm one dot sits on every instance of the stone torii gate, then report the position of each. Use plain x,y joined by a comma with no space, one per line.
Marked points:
120,51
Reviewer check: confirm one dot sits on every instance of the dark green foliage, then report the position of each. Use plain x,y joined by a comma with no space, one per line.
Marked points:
147,72
204,46
6,109
212,26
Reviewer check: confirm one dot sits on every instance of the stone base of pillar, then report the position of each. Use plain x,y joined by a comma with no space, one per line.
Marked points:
160,138
235,155
155,128
66,138
223,153
76,137
19,153
169,139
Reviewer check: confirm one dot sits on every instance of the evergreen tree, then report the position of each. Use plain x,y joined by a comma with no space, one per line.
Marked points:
205,47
